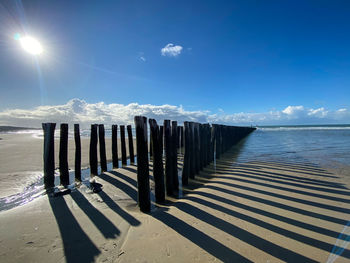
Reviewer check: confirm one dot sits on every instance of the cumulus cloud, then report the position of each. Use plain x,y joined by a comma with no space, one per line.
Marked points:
171,50
79,111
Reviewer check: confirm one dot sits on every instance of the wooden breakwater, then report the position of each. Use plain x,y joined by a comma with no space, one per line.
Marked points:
202,143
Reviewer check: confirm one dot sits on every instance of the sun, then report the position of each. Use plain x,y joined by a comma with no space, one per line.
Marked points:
30,44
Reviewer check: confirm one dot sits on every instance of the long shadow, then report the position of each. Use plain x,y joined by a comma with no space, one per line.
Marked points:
293,166
279,205
118,210
286,197
202,240
265,178
247,237
130,191
287,233
326,197
102,223
77,246
130,169
125,178
251,169
280,165
278,217
293,171
302,167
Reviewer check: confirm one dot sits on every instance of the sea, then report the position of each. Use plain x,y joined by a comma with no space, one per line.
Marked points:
325,146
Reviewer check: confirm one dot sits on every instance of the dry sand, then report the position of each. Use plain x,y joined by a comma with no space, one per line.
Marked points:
21,159
253,211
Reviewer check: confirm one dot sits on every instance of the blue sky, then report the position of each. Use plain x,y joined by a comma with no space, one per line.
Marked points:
232,56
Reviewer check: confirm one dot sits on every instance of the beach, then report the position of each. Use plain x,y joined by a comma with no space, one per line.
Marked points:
251,205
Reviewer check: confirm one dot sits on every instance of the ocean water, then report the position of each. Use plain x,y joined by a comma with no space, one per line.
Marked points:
323,146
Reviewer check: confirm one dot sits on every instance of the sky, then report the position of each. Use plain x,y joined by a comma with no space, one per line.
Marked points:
233,62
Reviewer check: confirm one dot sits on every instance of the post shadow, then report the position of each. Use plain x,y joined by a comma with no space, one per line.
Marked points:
199,238
274,250
130,191
291,221
118,210
102,223
278,230
252,170
326,197
77,246
279,205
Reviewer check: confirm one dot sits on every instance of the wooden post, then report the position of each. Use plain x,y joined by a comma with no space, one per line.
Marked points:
103,159
122,140
209,151
192,151
161,138
77,166
142,164
197,147
150,146
175,139
187,155
49,154
158,170
63,155
178,133
131,144
168,158
93,151
115,146
212,142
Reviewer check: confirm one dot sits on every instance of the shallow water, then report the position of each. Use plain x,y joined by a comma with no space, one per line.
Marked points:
327,147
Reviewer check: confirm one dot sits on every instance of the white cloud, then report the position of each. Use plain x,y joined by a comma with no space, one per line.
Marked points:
79,111
171,50
143,59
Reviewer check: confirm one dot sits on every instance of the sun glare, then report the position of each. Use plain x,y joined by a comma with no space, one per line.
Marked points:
31,45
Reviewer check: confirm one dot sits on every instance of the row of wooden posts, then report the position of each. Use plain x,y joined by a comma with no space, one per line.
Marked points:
202,143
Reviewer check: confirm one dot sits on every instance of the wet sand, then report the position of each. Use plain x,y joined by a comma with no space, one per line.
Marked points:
21,159
251,211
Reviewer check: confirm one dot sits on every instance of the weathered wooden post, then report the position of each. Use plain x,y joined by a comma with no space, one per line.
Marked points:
103,159
178,133
49,154
122,142
115,146
142,164
187,155
192,151
131,144
197,147
212,143
158,170
209,151
174,138
161,136
77,166
168,158
63,155
150,146
93,151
